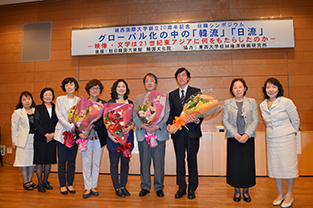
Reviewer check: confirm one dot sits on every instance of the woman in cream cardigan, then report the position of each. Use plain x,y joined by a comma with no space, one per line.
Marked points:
240,118
65,154
23,129
282,121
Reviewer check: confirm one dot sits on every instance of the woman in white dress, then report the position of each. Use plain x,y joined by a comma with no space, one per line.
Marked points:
282,121
23,129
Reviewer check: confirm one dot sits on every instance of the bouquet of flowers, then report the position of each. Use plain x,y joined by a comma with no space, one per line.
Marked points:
116,117
152,112
83,114
198,105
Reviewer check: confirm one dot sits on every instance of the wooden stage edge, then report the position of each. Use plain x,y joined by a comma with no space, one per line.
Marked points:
212,192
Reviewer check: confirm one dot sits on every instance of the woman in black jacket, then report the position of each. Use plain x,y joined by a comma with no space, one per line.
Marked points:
44,143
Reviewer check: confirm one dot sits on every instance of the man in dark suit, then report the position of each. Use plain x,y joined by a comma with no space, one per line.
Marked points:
185,140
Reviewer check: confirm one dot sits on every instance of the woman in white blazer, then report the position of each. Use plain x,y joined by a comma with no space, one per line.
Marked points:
23,129
65,154
282,121
240,119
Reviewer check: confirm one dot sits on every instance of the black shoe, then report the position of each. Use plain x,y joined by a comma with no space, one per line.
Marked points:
237,197
180,193
191,194
33,184
160,193
41,188
71,191
143,192
126,192
28,186
48,185
95,193
64,192
120,193
85,196
246,199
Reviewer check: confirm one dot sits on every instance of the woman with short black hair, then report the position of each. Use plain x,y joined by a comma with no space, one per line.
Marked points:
44,143
97,138
282,120
66,155
23,129
240,119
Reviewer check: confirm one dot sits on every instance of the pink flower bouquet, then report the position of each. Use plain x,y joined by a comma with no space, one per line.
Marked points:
83,114
152,112
116,117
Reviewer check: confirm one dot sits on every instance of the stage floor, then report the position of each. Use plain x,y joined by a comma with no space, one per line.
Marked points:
212,192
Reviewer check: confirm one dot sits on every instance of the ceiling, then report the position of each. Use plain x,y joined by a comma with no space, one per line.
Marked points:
6,2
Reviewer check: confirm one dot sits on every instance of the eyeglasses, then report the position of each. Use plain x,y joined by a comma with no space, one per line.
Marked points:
95,88
150,82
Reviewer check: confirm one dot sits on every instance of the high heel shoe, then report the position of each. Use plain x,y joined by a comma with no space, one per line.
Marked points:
278,202
33,185
71,191
237,198
246,198
285,205
85,196
28,186
64,192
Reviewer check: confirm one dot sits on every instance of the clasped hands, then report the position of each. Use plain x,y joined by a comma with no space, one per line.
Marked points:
242,139
49,137
151,128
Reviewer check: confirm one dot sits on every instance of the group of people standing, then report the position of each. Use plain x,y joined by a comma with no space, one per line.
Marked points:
37,130
240,119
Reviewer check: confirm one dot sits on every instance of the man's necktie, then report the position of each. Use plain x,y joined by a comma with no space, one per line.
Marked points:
182,97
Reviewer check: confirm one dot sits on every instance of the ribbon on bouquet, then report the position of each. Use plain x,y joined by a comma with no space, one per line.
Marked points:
82,144
69,138
151,139
125,149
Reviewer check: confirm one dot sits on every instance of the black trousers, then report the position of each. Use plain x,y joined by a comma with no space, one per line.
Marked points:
66,160
114,160
182,145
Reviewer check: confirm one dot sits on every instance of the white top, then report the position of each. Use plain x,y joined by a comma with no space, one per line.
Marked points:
62,108
50,112
185,90
20,127
281,119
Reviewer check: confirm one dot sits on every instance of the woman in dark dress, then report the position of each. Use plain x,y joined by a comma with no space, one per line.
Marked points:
44,143
240,118
119,94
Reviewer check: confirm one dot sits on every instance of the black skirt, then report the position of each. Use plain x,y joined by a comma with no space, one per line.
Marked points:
44,153
240,163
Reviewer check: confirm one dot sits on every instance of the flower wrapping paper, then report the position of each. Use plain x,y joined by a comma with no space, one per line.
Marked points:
117,116
152,112
198,105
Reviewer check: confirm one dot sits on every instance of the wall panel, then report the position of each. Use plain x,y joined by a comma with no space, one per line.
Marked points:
209,69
